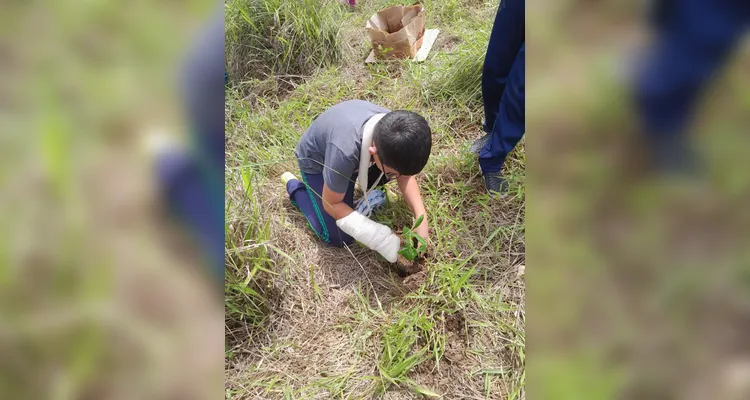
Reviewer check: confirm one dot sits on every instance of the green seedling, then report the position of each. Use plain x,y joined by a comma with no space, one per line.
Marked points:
414,245
384,51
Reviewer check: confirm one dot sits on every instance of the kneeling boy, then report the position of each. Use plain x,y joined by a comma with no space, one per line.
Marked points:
359,141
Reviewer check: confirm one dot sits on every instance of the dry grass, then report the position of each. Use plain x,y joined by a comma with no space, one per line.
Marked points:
337,323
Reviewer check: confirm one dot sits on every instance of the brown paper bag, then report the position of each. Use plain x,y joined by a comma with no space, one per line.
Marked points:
396,32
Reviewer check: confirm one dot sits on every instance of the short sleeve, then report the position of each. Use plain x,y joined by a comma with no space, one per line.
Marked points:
339,168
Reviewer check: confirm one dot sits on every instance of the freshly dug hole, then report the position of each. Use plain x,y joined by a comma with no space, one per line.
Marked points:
404,267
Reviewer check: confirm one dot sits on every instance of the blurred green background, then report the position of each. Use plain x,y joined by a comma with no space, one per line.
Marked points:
99,297
637,286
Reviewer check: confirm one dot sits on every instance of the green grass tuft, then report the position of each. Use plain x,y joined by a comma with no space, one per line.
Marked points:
276,37
248,262
455,76
407,342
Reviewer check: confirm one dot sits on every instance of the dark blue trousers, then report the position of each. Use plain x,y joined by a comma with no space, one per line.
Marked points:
504,85
203,85
194,183
307,196
694,39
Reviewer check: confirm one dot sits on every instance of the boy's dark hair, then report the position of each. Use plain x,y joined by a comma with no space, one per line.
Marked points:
404,141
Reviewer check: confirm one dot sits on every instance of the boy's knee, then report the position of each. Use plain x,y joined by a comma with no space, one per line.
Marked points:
336,243
340,241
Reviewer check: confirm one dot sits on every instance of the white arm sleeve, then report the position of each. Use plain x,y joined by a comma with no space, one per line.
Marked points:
375,236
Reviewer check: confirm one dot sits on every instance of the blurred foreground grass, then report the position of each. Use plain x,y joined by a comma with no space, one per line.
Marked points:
94,301
638,287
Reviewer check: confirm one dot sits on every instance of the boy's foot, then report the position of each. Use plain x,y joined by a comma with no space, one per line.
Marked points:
673,157
495,183
675,162
479,144
287,176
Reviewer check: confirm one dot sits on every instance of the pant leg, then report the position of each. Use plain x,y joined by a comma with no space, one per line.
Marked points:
203,79
188,198
507,37
510,124
193,183
695,39
307,195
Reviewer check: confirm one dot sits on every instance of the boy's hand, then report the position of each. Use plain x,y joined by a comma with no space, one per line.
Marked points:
423,231
412,196
375,236
389,248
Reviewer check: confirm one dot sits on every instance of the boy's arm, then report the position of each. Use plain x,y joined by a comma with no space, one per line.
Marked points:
376,236
413,198
334,204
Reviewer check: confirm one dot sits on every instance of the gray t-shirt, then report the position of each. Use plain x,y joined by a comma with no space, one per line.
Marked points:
334,140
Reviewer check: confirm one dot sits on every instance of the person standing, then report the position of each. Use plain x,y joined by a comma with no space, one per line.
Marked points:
693,40
191,180
503,92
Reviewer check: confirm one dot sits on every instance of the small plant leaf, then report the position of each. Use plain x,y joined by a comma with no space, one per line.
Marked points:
422,243
408,253
418,222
